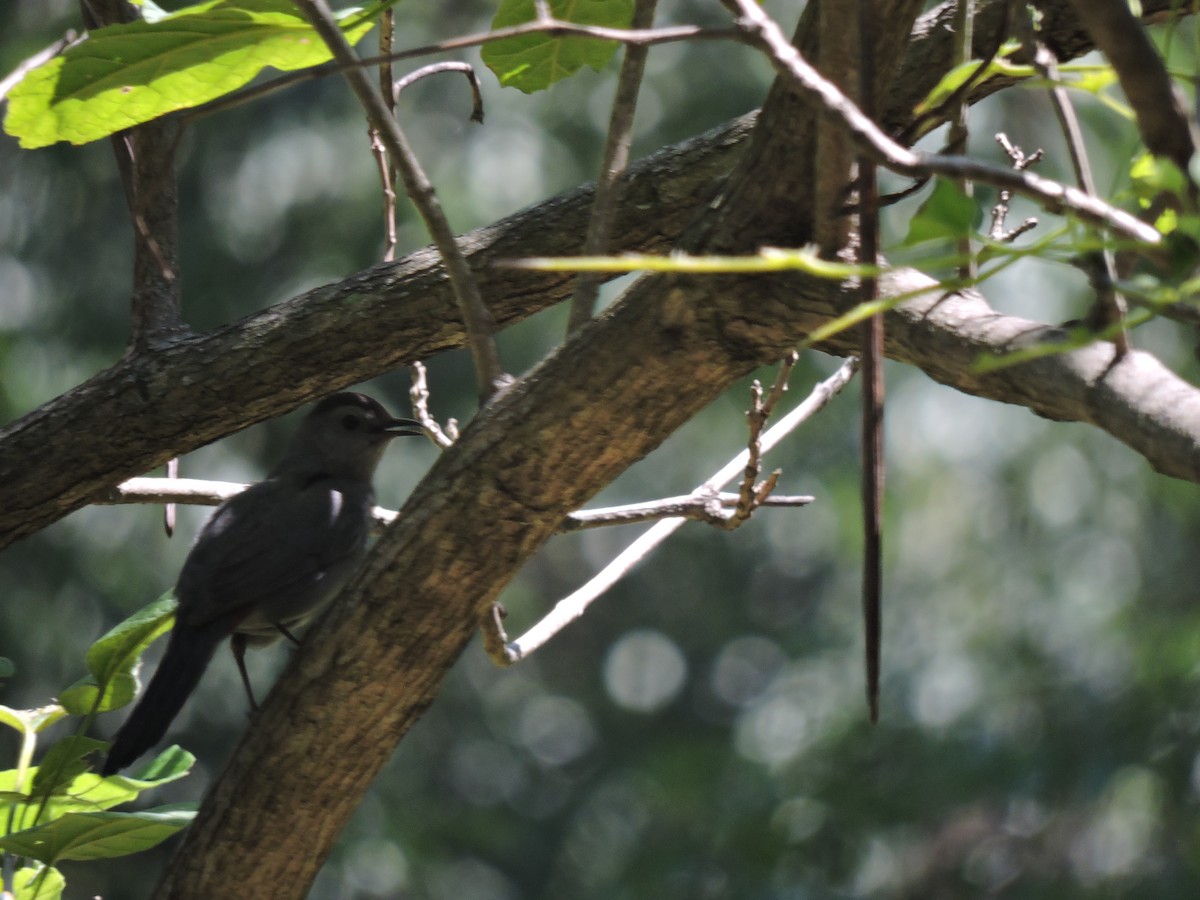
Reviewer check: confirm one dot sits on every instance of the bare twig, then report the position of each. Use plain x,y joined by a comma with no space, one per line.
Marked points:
495,638
477,319
551,27
437,69
752,495
872,141
1109,307
418,395
612,168
1020,161
958,134
387,170
169,508
145,157
713,508
872,396
13,78
572,607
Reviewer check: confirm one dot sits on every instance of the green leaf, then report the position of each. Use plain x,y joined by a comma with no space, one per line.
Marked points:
113,659
90,792
39,883
63,763
123,75
768,259
956,77
7,669
1152,175
31,721
947,213
85,695
171,764
98,835
533,62
1092,79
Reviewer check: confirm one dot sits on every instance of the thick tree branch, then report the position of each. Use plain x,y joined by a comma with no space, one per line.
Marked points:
66,453
608,396
60,456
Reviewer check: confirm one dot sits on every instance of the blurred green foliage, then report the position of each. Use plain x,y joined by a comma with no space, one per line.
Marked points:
701,733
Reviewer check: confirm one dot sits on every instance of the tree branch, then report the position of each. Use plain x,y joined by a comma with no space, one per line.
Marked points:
872,141
603,400
573,606
198,492
65,454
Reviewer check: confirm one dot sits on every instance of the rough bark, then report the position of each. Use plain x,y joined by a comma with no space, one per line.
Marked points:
612,393
602,401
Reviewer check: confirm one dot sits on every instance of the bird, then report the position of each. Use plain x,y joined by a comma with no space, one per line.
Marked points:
269,558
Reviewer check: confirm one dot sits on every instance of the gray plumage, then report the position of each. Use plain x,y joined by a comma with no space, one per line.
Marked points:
270,558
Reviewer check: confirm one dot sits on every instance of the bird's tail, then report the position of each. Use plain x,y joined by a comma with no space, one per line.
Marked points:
188,653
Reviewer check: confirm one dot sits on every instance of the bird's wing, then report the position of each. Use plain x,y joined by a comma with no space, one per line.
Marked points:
275,546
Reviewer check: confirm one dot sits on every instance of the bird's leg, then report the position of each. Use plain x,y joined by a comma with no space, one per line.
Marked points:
287,634
237,643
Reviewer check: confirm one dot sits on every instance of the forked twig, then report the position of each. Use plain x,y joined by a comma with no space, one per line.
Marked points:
418,395
572,607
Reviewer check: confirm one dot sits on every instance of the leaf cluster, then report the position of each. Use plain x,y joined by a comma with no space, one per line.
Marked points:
59,809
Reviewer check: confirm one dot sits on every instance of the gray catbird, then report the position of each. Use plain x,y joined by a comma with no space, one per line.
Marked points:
270,558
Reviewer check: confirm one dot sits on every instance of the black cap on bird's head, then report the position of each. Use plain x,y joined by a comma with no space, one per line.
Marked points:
345,434
358,410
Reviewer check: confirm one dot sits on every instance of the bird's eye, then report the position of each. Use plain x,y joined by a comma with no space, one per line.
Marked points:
350,422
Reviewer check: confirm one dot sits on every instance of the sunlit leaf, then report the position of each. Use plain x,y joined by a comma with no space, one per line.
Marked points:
768,259
40,882
91,792
112,660
533,62
123,75
98,835
958,76
31,720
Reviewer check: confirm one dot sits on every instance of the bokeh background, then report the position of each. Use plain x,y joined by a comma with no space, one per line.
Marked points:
702,732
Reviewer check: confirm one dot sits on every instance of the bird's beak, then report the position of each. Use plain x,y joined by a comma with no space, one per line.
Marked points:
399,427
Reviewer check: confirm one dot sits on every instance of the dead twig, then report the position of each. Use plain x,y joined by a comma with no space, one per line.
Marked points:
573,606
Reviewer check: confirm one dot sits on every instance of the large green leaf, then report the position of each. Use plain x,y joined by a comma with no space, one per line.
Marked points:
123,75
533,62
88,791
98,835
112,659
